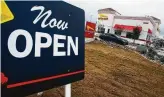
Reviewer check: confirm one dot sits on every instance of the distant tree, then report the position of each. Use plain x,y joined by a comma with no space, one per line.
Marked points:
136,33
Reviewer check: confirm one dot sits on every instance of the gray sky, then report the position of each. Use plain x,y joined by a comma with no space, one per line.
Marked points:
125,7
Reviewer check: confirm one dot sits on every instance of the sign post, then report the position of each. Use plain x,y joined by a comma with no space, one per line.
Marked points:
42,47
68,90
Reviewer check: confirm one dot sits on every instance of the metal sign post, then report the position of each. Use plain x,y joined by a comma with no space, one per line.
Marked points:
68,90
40,94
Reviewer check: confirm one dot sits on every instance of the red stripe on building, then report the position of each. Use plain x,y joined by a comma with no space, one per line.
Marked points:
125,27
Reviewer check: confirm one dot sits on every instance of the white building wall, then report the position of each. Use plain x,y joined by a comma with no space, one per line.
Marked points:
157,26
107,23
123,34
128,22
143,35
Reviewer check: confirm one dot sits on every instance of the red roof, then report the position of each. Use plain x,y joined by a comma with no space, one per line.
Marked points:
126,27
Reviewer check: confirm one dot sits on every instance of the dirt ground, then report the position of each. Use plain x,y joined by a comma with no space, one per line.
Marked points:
115,72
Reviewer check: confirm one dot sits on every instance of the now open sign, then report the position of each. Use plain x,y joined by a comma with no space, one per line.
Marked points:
42,47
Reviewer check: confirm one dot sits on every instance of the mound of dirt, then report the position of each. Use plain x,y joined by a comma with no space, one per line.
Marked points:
115,72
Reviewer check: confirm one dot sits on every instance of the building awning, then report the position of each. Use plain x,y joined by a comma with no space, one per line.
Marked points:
149,31
125,27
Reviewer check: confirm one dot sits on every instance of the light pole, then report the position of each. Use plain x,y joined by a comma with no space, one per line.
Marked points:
91,17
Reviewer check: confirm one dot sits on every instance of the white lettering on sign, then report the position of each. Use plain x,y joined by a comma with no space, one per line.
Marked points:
52,23
57,45
12,43
74,47
51,40
39,45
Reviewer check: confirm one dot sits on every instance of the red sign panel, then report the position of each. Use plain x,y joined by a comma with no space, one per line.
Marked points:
90,29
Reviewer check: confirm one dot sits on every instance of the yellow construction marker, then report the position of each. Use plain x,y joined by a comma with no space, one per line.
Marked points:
6,14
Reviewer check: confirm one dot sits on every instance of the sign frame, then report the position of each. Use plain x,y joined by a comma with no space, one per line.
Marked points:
19,83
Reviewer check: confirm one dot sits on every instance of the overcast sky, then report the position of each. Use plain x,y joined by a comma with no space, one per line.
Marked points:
125,7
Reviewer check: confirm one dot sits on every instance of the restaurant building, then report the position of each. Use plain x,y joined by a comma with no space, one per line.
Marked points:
110,21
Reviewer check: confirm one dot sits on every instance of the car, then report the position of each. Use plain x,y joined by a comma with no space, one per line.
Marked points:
113,38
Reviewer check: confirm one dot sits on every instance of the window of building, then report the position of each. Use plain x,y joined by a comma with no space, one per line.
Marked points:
101,30
108,31
129,35
145,22
148,37
158,29
118,32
